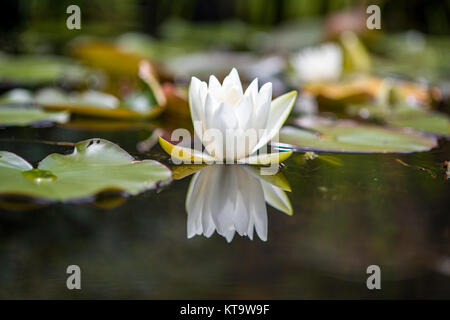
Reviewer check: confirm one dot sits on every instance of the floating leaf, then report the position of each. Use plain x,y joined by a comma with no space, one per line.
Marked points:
95,165
154,49
404,116
364,89
432,122
147,102
22,116
39,69
106,56
350,136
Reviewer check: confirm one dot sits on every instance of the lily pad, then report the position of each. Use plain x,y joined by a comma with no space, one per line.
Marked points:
23,116
320,134
39,69
106,56
147,102
417,118
364,89
432,122
95,165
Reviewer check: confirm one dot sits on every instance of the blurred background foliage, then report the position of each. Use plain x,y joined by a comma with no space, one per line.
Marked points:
35,24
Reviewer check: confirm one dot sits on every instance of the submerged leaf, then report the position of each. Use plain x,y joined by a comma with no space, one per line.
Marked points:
350,136
95,165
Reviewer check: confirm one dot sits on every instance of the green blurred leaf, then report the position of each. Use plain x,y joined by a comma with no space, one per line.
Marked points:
418,118
146,102
40,69
427,121
22,116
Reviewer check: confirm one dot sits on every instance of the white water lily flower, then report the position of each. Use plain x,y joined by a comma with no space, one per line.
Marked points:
232,124
232,199
322,63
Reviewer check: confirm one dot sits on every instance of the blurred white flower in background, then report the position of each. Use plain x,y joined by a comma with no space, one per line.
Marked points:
321,63
230,199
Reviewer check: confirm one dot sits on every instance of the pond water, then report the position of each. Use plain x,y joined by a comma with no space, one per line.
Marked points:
350,211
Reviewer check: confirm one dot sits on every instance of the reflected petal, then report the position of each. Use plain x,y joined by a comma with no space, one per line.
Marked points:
277,198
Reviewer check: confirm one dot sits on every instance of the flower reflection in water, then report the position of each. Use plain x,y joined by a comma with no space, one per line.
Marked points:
231,198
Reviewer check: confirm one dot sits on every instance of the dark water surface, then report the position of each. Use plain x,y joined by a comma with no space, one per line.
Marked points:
350,212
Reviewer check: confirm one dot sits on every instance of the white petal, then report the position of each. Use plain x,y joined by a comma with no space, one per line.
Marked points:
196,103
210,109
252,91
263,103
232,80
279,111
214,86
224,118
244,112
265,93
194,98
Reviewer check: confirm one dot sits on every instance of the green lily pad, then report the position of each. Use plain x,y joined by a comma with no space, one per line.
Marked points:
417,118
39,69
432,122
137,105
23,114
437,123
322,134
94,166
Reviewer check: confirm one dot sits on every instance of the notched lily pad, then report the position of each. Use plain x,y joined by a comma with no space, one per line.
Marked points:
94,166
320,134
